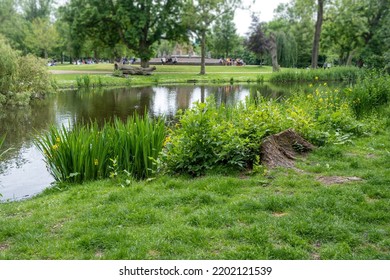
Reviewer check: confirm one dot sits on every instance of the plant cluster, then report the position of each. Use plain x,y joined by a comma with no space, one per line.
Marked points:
21,77
345,74
88,152
370,93
209,137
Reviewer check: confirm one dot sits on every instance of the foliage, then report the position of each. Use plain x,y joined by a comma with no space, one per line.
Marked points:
370,93
284,215
257,42
139,25
208,137
89,153
22,77
201,15
42,37
287,49
346,74
34,9
224,38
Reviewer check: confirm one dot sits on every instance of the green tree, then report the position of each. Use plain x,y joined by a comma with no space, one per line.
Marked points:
12,25
358,31
295,19
138,24
200,16
224,36
42,37
33,9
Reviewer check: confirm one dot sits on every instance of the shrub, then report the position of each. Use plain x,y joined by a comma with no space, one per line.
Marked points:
209,137
21,77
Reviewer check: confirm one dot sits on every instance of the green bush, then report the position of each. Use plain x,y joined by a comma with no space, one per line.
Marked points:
210,137
21,77
87,152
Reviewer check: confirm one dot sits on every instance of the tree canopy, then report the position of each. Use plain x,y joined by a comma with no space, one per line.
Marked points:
137,24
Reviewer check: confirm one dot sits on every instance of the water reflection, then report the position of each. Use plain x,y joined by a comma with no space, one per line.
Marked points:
23,172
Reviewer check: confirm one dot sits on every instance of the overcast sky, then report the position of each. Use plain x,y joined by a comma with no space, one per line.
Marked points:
264,7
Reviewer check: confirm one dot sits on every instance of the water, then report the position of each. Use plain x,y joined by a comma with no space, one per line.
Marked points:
23,172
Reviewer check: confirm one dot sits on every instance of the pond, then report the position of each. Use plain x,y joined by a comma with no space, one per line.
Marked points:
23,172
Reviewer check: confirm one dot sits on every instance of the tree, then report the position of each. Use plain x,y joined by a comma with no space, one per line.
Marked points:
259,43
33,9
138,24
295,20
317,34
359,30
201,14
256,41
42,37
224,36
12,25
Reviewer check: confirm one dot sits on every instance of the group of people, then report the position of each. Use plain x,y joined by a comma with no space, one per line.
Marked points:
169,60
86,61
132,60
230,62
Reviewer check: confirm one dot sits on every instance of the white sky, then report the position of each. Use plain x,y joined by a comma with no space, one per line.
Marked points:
243,18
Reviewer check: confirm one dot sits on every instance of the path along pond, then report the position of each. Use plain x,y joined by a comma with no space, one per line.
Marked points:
23,172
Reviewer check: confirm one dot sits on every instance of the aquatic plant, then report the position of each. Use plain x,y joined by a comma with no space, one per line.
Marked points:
86,152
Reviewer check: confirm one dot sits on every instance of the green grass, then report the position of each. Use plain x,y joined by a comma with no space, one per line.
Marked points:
164,74
284,214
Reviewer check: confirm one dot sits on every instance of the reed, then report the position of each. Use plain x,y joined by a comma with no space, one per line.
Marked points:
88,152
346,74
370,93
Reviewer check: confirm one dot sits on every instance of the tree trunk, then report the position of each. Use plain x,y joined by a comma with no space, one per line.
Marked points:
203,53
273,49
317,34
144,63
350,56
133,70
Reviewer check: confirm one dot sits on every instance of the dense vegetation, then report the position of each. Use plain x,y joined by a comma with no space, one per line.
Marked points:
252,213
277,214
21,77
209,137
88,152
358,33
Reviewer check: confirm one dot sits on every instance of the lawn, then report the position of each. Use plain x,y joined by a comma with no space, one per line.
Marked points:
101,75
276,214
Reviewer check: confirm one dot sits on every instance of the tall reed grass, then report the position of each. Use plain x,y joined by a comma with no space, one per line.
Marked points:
88,152
370,93
346,74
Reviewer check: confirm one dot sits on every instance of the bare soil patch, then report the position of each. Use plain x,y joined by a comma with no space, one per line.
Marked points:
333,180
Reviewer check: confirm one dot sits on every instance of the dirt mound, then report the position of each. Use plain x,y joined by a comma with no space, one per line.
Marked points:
283,148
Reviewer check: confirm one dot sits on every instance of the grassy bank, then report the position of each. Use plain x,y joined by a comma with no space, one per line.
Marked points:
101,75
278,214
334,205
